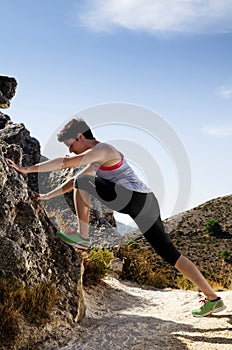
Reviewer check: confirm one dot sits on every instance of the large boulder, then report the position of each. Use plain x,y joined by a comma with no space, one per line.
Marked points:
30,252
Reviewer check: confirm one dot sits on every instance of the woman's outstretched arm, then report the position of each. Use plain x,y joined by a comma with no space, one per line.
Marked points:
87,157
67,186
47,166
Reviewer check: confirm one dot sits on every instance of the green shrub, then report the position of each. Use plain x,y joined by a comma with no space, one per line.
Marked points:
213,227
96,265
224,254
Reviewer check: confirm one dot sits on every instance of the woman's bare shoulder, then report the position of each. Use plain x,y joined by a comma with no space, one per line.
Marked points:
106,147
107,151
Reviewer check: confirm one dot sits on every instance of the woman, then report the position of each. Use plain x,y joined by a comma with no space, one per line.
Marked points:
109,178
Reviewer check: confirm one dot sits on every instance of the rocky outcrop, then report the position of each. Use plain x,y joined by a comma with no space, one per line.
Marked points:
30,252
7,90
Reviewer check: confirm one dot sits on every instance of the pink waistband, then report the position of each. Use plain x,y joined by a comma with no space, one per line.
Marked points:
111,167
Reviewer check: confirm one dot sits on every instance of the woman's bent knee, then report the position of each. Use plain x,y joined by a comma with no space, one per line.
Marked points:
82,181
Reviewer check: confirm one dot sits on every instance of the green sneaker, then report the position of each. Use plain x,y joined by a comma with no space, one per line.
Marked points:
209,307
74,239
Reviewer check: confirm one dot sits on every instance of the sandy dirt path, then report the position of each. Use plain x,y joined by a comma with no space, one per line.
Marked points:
122,316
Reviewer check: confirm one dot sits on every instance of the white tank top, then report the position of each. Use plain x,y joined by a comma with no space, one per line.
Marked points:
121,173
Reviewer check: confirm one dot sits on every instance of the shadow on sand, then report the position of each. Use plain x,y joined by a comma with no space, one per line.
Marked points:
115,322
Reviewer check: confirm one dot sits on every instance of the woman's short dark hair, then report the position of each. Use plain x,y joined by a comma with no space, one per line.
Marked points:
72,128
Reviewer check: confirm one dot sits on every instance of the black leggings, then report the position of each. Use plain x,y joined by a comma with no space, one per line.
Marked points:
143,208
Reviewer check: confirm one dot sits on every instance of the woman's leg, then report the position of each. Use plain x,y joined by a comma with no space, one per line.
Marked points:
191,272
144,209
212,303
85,185
162,244
81,201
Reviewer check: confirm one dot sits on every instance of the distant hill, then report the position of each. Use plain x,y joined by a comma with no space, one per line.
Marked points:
123,228
195,219
187,230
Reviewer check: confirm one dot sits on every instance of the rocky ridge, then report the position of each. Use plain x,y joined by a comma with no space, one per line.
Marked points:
31,254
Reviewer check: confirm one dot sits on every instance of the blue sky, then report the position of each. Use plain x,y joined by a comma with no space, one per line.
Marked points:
171,57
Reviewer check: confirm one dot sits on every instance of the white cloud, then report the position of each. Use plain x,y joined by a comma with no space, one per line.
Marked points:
225,92
218,131
158,16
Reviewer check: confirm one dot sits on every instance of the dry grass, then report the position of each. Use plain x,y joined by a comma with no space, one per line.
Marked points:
139,266
40,301
184,284
33,304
